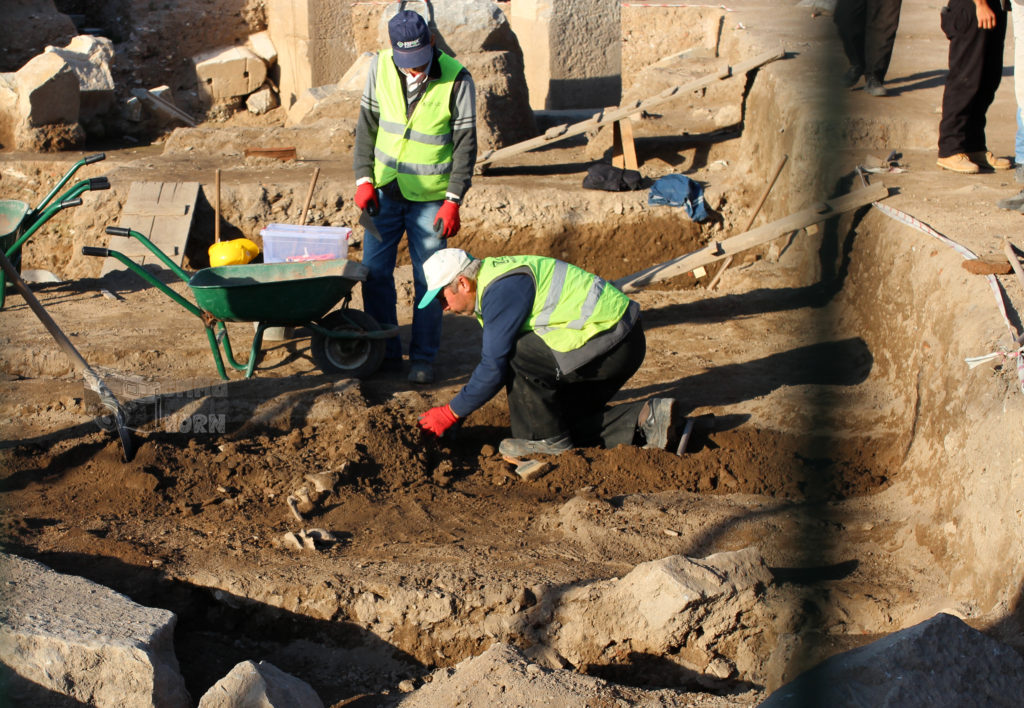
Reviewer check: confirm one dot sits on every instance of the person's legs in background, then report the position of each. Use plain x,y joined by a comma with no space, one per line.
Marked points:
426,323
849,18
881,23
379,255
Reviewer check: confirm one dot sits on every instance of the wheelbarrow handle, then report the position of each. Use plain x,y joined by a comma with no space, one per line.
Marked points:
99,183
119,231
68,203
95,251
95,158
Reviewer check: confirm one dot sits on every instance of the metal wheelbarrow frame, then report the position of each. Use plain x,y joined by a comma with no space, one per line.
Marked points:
345,341
18,222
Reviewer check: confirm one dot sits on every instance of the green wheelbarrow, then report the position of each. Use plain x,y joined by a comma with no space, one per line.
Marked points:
18,221
345,341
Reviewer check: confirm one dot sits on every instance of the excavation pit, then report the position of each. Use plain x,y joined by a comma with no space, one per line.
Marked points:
840,435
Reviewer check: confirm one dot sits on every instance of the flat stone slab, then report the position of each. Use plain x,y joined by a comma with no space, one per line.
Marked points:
76,642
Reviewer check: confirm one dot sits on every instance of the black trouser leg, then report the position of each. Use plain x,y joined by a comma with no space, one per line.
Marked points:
881,21
543,405
592,422
850,22
973,53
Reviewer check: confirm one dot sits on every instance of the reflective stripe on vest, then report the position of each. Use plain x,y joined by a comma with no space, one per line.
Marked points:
570,306
416,150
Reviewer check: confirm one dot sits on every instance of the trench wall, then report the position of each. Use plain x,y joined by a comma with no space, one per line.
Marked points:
921,314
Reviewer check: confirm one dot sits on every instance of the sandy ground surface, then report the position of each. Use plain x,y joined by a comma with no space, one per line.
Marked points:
805,435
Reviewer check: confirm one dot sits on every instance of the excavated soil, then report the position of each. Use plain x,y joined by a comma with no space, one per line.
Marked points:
819,411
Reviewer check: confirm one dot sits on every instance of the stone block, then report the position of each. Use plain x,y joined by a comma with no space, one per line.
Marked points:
48,91
74,638
572,52
355,78
91,59
262,101
301,111
314,43
228,73
263,684
260,44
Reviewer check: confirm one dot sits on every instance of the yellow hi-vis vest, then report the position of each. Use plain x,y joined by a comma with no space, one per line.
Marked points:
417,151
570,306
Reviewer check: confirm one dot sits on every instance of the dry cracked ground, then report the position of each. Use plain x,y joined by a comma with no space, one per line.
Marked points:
839,435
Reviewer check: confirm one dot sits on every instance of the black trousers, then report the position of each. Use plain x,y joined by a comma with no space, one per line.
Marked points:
867,29
975,69
543,404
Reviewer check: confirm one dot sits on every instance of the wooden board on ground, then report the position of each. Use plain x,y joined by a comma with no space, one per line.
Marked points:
718,250
163,213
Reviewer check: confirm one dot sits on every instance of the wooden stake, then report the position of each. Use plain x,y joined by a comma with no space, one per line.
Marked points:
750,223
309,196
216,207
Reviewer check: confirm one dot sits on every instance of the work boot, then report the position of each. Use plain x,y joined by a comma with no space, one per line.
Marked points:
657,422
958,163
874,87
421,372
852,76
520,447
1014,203
987,159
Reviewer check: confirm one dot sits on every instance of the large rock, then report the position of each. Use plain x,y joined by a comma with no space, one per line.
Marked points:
688,611
262,685
228,72
940,662
77,639
48,91
90,58
27,27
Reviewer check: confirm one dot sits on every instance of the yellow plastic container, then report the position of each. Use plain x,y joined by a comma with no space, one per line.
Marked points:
238,251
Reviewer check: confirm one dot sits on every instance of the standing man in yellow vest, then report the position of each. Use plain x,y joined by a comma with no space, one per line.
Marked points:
414,156
560,340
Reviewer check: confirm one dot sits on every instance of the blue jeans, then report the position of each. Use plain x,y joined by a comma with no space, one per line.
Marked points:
416,219
1018,148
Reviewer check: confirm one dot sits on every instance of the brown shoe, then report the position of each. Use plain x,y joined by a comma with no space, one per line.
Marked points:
958,163
987,159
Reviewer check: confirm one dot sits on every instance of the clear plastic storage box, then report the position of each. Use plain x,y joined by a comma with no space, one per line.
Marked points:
288,243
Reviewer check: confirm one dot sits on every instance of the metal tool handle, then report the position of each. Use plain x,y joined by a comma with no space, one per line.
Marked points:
95,158
77,201
372,208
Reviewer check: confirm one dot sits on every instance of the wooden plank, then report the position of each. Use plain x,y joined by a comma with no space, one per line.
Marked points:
162,212
279,153
623,147
561,132
718,250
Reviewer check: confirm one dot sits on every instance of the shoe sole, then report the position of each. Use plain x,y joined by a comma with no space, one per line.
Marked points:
661,442
508,450
959,171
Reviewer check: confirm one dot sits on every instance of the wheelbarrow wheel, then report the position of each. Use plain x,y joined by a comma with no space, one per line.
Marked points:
350,356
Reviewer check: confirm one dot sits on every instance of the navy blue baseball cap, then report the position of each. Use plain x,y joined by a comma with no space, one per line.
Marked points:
410,40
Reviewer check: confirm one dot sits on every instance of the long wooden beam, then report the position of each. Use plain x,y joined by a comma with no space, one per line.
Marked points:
607,116
762,234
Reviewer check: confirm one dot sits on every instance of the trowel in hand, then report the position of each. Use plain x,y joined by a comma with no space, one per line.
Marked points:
366,221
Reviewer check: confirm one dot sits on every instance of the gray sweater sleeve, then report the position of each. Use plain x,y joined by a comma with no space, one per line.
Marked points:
366,125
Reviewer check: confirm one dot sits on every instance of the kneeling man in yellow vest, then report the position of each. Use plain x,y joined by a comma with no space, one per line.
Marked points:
560,340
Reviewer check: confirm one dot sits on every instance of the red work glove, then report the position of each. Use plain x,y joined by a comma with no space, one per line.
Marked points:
438,420
446,223
365,196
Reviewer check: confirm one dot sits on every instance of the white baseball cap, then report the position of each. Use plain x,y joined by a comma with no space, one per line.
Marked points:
441,269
